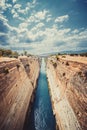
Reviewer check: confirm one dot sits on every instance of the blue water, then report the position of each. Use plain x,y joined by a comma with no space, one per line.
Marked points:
41,116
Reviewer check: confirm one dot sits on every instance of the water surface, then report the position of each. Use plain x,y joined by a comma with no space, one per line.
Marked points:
41,116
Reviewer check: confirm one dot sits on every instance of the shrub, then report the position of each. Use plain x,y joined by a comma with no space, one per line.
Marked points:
83,54
52,61
63,74
6,70
80,73
57,57
15,56
85,74
63,56
18,66
32,83
67,63
55,65
8,53
71,54
27,65
0,53
25,53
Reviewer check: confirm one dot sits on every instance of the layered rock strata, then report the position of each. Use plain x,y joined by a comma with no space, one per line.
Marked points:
18,78
68,89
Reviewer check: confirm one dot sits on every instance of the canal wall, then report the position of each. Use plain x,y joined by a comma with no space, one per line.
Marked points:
68,90
41,116
18,78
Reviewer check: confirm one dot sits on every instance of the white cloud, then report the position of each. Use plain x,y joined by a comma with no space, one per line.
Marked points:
15,15
39,25
40,29
48,40
17,6
48,19
2,2
62,19
75,31
63,31
8,5
2,5
13,11
14,1
37,17
41,15
22,28
23,25
34,1
3,18
31,19
37,28
29,6
23,11
18,9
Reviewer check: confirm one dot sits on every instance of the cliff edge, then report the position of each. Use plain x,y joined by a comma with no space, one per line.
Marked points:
67,78
18,79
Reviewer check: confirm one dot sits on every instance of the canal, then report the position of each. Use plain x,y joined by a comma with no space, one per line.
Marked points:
41,116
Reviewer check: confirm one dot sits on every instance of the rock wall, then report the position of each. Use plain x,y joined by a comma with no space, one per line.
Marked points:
18,79
68,89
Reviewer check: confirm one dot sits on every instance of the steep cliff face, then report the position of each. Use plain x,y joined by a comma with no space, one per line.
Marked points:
17,83
68,88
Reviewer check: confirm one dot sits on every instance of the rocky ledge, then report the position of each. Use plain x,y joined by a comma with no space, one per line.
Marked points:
18,78
67,78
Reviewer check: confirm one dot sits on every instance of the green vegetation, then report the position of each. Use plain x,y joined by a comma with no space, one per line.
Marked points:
25,53
8,53
71,54
81,54
57,57
29,55
0,53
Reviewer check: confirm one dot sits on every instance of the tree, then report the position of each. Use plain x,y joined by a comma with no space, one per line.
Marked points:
25,53
0,53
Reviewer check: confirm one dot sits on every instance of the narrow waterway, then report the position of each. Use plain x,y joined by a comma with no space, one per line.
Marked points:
41,116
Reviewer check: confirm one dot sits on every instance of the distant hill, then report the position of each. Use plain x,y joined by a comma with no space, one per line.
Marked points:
64,52
74,52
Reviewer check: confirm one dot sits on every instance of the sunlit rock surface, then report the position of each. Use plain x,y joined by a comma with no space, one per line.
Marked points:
18,79
67,78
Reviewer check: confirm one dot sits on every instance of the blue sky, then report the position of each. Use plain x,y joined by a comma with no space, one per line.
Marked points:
43,26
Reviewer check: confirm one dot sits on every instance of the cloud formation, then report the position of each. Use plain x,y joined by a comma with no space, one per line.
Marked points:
38,31
62,18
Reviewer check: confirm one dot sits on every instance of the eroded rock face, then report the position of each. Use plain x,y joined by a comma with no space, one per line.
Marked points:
68,88
18,79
